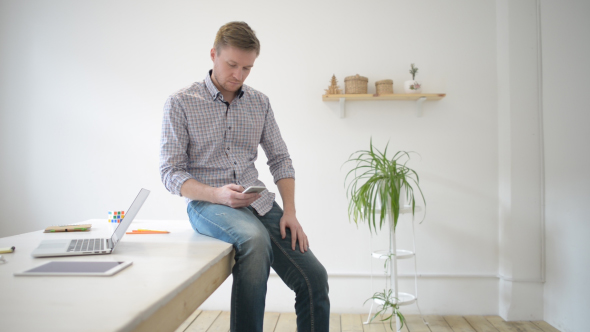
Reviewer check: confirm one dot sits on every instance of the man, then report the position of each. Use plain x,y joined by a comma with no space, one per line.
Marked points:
210,136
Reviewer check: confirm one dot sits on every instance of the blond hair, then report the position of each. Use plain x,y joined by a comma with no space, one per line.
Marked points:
237,34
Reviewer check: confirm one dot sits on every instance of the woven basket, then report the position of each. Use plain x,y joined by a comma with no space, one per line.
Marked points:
384,87
355,84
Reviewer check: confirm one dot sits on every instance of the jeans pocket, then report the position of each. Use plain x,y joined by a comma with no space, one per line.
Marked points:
193,210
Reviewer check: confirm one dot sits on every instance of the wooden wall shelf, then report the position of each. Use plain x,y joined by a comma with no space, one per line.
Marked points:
418,97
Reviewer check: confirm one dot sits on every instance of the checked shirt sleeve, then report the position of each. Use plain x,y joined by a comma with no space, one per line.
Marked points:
173,146
279,160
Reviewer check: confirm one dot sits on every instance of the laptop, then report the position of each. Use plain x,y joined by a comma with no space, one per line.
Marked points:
100,246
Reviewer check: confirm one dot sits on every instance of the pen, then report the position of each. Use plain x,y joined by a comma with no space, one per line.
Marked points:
7,250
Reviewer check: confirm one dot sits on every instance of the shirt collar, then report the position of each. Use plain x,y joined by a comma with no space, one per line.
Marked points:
215,93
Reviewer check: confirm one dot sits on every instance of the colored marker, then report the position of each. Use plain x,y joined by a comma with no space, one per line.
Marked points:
149,230
7,250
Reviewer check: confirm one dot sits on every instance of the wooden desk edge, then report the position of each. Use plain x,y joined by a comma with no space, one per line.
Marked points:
169,316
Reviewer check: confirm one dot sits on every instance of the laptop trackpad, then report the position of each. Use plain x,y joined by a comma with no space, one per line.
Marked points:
44,246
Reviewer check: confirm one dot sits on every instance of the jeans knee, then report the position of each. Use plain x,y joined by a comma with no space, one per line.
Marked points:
321,280
313,281
255,245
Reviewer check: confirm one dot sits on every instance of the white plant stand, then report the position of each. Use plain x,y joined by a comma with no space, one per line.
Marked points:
402,298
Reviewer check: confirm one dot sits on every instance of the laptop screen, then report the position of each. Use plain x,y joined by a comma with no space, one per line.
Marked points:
129,216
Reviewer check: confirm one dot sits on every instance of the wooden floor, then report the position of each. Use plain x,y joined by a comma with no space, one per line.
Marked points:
218,321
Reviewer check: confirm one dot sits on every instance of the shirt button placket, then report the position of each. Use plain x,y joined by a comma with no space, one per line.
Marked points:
229,117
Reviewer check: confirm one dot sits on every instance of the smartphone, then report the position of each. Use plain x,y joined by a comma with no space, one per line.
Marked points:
254,189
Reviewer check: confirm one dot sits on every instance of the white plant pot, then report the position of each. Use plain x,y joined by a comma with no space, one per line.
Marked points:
410,86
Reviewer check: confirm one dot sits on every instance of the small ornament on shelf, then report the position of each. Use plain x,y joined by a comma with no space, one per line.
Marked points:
413,86
333,89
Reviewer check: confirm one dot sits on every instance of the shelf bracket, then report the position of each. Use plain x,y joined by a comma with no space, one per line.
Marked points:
342,110
419,106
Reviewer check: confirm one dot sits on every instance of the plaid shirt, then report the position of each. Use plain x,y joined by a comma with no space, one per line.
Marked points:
216,143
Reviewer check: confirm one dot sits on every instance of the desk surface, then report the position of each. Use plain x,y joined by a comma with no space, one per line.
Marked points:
171,275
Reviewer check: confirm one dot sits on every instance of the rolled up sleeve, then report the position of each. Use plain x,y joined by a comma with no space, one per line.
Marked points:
279,160
173,147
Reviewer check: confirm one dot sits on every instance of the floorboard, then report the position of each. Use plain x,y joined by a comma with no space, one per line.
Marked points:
188,321
221,323
287,323
458,324
415,324
270,321
480,324
438,324
524,326
388,328
217,321
335,323
545,327
351,323
375,326
500,324
203,321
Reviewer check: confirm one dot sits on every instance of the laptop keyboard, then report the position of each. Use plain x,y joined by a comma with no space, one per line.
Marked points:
86,245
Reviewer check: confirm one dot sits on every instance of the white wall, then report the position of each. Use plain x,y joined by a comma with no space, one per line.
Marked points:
82,87
566,50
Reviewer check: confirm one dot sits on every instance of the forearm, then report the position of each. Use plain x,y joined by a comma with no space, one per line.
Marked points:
230,194
198,191
287,190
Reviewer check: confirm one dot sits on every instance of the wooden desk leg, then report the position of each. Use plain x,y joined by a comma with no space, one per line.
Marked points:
176,311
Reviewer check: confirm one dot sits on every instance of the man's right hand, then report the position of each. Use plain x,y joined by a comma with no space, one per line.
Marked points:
231,195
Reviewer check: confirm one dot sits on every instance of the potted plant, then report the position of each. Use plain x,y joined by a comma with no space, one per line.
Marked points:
413,86
378,188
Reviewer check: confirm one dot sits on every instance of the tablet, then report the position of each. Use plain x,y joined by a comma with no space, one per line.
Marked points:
76,268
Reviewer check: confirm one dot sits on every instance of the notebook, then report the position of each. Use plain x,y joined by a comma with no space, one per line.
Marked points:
86,246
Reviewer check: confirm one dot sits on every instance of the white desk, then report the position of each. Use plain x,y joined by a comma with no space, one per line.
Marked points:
171,275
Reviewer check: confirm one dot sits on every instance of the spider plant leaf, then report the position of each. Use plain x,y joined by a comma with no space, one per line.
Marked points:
377,180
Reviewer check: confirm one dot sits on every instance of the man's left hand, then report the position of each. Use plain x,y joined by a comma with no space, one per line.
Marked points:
297,233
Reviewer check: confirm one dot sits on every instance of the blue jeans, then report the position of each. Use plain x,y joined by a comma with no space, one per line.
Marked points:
258,246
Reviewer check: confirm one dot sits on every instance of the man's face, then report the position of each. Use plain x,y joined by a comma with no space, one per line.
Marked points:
231,66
